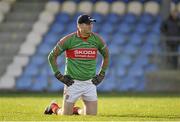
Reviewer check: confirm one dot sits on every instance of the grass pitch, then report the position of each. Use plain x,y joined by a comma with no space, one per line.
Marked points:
111,107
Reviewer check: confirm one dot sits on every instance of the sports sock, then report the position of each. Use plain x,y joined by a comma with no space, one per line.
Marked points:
75,110
55,108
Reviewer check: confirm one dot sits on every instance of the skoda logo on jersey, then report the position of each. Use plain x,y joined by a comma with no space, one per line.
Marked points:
82,53
77,52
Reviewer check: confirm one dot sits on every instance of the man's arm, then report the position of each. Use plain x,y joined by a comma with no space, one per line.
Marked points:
52,58
105,62
60,47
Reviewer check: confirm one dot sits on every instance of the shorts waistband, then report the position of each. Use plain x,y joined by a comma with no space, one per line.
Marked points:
85,81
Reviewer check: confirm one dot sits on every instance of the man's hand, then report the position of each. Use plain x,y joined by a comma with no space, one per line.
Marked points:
96,80
66,79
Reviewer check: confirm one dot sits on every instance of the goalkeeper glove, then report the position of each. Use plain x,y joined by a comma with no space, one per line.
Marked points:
96,80
66,79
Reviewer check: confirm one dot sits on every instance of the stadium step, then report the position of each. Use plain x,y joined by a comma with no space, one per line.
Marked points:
22,16
26,7
16,26
14,29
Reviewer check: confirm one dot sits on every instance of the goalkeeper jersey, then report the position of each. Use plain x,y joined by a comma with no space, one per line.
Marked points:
81,54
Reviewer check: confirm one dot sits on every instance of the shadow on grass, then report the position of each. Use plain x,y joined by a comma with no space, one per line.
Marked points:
30,94
100,94
141,116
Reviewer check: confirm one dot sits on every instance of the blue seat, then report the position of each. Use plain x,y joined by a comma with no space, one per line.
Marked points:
70,30
158,19
141,82
136,71
119,39
57,27
63,17
40,83
124,61
31,70
136,39
121,71
141,61
44,49
107,85
51,39
147,18
148,49
114,49
112,61
127,84
130,18
113,18
55,85
107,28
105,37
142,28
71,27
130,49
125,28
156,28
46,70
38,60
23,83
96,28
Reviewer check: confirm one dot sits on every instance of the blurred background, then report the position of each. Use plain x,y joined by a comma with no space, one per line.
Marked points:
29,29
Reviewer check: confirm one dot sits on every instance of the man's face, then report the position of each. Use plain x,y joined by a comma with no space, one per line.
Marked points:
85,28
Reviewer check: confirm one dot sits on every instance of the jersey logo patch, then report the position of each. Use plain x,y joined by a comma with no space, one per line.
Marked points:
82,53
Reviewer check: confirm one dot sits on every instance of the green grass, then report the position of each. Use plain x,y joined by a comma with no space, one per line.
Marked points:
112,107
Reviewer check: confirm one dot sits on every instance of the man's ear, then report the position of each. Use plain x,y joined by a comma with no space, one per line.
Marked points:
78,27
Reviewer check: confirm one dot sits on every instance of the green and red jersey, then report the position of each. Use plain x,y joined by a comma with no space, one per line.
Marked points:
81,54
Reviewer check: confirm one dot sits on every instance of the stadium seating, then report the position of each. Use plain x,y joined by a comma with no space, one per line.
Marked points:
5,6
130,29
17,25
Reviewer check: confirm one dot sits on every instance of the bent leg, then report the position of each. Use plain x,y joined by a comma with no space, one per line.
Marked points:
90,107
67,108
69,100
90,99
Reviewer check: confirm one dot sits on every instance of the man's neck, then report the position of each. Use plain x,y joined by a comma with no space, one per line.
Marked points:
83,35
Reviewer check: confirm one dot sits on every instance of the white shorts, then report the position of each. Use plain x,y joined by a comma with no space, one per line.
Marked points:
80,89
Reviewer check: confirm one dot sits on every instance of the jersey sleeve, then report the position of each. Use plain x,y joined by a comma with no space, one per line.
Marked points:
103,49
60,47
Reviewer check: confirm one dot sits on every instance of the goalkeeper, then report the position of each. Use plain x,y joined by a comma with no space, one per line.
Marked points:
80,77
